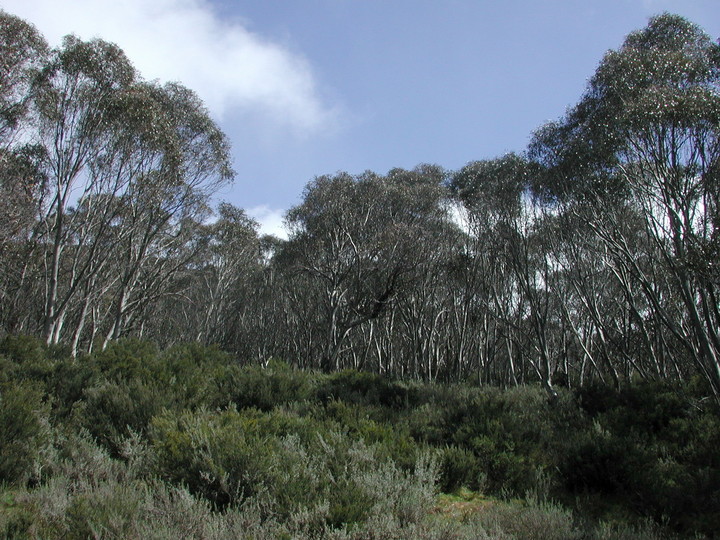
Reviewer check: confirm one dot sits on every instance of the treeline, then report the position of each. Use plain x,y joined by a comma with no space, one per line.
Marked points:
134,442
591,257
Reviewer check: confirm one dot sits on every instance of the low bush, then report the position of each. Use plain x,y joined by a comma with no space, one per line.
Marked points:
24,431
127,359
135,442
297,465
460,468
260,388
112,410
540,521
362,388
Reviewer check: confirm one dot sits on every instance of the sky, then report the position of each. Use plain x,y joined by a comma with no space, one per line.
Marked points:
304,88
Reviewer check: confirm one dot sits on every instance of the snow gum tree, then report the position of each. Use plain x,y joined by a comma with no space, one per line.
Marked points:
644,141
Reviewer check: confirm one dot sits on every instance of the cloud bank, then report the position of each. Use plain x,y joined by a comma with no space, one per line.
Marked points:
232,69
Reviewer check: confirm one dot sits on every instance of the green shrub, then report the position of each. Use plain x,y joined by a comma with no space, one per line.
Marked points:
24,431
285,453
28,359
363,388
260,388
189,373
112,409
427,423
229,456
297,466
390,441
127,359
528,520
108,510
506,436
460,469
23,349
652,451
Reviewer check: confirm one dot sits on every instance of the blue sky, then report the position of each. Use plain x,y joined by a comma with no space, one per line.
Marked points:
311,87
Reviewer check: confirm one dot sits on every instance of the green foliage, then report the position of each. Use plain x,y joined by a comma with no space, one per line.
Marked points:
110,438
23,431
389,439
190,374
111,410
264,389
363,388
231,456
126,359
26,358
23,349
601,462
461,468
50,369
107,512
501,439
653,448
208,452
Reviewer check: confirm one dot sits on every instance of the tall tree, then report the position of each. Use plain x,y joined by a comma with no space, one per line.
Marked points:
511,256
645,135
71,105
23,55
130,167
358,239
171,174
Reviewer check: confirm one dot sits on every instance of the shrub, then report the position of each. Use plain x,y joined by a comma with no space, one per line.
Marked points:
390,441
653,452
23,350
460,468
362,388
113,409
260,388
24,431
189,373
127,359
529,520
295,466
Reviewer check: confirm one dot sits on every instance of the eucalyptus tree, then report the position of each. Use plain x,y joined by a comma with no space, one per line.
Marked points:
171,174
491,196
355,242
129,170
70,106
213,303
23,56
593,307
509,275
413,340
20,186
645,136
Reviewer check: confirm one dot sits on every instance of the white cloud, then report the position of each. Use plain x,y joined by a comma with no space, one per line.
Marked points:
271,220
232,69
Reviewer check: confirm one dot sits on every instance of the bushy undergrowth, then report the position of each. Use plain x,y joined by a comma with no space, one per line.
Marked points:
133,442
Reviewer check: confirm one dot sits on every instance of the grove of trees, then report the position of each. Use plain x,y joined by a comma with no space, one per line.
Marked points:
542,327
589,257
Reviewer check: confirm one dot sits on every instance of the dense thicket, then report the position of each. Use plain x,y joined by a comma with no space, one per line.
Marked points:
590,258
137,442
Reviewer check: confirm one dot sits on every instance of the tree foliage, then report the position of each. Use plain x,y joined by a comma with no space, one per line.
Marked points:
579,276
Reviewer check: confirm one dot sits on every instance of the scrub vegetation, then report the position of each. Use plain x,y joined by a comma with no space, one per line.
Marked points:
528,347
134,442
